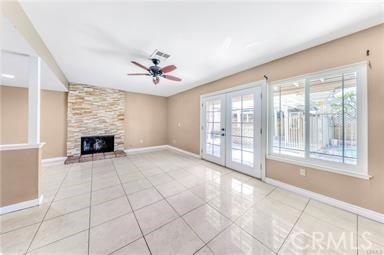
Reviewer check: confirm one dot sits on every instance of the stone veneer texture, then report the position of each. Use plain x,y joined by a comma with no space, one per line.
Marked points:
94,111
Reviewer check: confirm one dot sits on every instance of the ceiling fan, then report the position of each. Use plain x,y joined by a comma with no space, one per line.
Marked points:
156,71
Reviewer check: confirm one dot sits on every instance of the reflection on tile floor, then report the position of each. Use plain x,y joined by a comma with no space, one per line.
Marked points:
162,202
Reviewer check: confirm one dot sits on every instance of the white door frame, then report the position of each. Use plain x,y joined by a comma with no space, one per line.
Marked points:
263,84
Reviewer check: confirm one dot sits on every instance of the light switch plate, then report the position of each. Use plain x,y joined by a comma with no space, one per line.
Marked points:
303,172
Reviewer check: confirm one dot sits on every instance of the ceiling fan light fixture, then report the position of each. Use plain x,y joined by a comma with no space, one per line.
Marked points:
156,71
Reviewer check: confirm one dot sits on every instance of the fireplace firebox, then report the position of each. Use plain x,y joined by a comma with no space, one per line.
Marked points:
97,144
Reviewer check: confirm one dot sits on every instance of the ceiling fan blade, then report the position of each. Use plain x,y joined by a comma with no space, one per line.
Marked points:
156,80
167,69
170,77
147,74
140,65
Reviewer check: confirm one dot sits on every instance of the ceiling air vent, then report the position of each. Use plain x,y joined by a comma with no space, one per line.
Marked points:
160,55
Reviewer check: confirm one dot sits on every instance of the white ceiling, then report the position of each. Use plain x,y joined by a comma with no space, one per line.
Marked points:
15,60
94,42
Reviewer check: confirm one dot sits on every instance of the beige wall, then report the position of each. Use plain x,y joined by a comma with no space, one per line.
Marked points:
19,178
184,108
14,119
14,115
145,120
53,127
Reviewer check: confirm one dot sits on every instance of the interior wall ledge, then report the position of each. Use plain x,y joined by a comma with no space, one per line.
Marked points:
20,146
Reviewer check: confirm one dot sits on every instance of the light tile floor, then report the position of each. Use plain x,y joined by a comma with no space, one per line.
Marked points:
167,203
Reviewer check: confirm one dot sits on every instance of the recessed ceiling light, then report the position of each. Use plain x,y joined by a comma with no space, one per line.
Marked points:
9,76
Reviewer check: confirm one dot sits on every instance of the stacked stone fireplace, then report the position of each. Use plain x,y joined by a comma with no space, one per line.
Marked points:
94,112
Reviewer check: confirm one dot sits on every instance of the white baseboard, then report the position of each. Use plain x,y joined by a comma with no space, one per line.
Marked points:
21,205
143,149
161,147
53,161
60,160
183,151
329,200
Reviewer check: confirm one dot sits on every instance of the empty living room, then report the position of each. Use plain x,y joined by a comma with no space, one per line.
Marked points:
191,127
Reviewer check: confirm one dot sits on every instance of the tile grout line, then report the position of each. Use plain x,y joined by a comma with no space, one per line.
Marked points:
61,186
164,198
133,211
182,218
87,230
90,211
207,203
74,211
293,227
357,233
245,212
58,240
125,245
49,207
112,219
176,213
233,223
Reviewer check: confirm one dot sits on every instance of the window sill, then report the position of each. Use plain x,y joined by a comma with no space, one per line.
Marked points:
318,167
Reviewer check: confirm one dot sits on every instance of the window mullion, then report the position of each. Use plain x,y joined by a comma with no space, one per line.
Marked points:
280,120
307,104
343,116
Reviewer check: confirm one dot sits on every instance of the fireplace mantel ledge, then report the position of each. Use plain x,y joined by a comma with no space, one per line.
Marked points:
20,146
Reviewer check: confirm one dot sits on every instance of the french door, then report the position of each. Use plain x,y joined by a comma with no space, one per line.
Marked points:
231,125
213,128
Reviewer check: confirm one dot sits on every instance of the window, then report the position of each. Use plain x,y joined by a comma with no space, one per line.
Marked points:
289,119
320,120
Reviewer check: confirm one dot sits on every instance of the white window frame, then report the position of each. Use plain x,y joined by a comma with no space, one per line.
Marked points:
359,170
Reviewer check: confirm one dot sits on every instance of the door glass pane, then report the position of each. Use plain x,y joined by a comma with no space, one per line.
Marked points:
248,158
248,101
248,129
217,105
208,148
236,102
247,144
236,128
216,151
209,106
236,142
213,127
209,138
247,115
217,116
216,139
210,116
236,155
236,116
